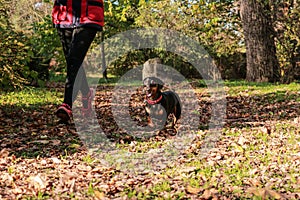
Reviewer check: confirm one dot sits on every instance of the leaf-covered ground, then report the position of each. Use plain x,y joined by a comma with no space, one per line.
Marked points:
256,157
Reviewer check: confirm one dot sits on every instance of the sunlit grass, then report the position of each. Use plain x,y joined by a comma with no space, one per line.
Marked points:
247,88
30,96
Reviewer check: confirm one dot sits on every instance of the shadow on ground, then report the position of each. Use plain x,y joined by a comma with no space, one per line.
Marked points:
33,131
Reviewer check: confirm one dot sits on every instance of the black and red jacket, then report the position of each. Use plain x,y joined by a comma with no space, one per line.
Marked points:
78,13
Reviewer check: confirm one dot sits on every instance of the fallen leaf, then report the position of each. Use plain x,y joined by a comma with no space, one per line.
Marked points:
43,162
242,140
193,190
4,153
17,191
256,191
7,179
37,182
254,182
72,186
41,141
188,169
99,195
55,142
55,160
264,192
209,193
273,194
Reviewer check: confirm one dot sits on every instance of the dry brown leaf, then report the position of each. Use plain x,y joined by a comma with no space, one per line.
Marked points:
253,171
273,194
17,190
43,162
264,192
84,167
297,120
55,142
72,186
193,190
266,129
4,153
99,195
188,169
41,141
256,191
7,179
241,141
104,187
254,182
55,160
37,182
209,193
70,175
130,181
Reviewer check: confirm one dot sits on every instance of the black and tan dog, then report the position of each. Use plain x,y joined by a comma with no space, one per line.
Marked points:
159,105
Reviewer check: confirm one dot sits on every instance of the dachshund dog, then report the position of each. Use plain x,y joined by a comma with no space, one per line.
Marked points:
159,105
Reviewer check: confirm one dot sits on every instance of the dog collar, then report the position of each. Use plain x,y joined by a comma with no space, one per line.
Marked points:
152,102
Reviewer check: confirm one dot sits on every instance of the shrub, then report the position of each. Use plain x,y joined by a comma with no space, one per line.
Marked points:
13,54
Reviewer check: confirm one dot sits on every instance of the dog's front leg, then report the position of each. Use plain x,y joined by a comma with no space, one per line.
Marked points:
150,122
149,119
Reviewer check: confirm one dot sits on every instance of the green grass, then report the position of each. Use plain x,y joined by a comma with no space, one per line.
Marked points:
30,96
250,88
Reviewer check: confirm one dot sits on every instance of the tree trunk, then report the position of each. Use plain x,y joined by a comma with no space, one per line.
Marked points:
262,63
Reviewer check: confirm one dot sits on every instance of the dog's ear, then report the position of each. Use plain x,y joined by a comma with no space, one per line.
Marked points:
146,81
158,81
159,86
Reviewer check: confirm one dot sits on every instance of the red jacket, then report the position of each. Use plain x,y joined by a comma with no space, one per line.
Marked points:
78,13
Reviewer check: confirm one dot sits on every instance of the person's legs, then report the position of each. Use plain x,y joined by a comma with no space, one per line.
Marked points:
81,41
76,43
65,36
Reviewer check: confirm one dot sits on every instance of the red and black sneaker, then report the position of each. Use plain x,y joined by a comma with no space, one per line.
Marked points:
64,112
87,100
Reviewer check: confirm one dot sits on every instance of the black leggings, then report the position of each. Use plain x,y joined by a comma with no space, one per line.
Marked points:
76,43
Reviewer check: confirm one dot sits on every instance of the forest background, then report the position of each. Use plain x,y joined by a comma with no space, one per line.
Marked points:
253,40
